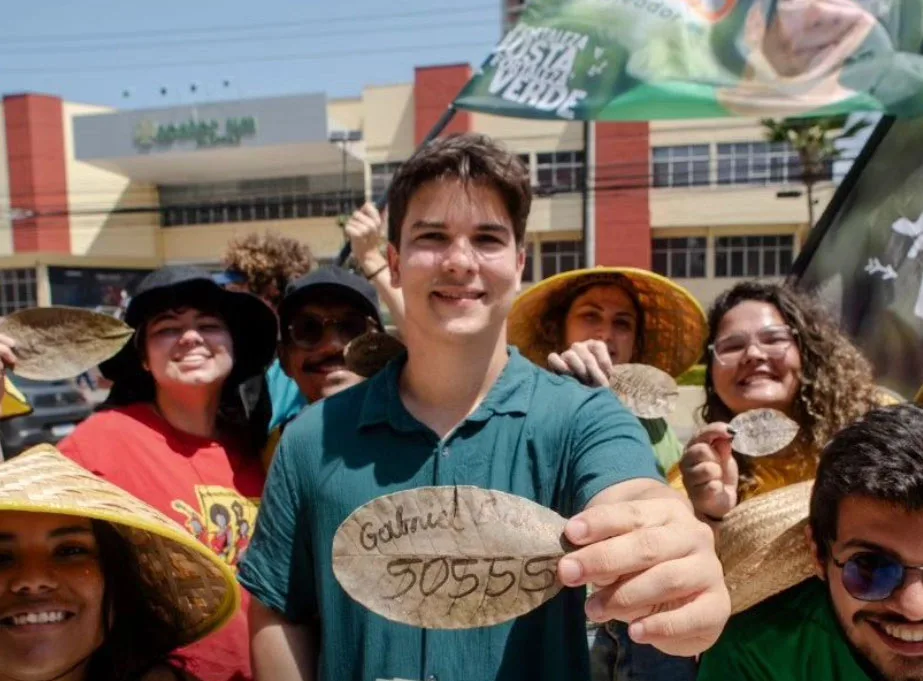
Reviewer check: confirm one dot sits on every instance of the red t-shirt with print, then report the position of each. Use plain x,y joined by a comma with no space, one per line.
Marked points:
208,487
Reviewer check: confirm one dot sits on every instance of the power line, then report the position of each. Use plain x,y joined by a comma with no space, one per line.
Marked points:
249,39
308,56
247,28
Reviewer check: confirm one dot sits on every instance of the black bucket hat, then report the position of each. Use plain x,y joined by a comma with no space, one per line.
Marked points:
252,325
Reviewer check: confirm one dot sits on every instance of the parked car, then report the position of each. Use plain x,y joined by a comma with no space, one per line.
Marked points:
58,406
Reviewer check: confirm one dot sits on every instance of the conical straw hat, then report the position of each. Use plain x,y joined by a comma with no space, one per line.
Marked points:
191,579
763,547
674,331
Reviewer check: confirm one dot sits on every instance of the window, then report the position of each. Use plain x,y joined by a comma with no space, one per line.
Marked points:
17,290
528,271
561,256
682,166
281,198
561,171
753,256
762,163
381,177
680,258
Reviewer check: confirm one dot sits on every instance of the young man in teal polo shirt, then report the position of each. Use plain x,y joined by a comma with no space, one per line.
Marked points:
465,409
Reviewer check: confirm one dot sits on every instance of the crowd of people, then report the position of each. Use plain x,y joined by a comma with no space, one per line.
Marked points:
185,530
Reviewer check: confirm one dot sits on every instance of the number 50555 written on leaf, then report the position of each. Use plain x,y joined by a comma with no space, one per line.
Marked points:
450,557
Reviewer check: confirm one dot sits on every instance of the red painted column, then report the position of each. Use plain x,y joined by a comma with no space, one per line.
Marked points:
434,88
37,172
622,195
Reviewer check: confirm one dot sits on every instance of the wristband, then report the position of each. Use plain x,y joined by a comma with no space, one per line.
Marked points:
376,272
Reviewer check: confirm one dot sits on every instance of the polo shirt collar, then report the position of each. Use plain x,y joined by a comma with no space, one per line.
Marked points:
511,394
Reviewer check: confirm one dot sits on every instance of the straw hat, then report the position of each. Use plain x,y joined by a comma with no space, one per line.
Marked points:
762,545
675,327
201,589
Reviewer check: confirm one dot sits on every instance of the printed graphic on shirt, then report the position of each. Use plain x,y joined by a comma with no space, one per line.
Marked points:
223,521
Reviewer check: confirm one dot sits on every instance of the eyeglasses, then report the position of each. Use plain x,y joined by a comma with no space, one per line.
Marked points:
307,331
773,341
873,576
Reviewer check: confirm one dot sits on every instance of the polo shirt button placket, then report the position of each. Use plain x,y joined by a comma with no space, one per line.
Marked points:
432,677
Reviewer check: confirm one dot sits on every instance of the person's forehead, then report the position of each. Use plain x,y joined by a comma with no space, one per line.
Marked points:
749,316
892,527
13,523
609,296
453,203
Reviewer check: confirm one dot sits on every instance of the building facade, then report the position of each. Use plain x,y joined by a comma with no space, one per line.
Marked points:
92,198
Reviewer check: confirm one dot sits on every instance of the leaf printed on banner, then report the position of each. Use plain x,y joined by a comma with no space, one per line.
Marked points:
368,354
450,557
761,432
54,343
646,391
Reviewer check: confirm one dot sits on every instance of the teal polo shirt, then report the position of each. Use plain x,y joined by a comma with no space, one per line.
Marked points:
537,435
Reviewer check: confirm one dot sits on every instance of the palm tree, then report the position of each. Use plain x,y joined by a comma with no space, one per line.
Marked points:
814,141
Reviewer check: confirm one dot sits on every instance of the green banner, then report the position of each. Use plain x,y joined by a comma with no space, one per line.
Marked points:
665,59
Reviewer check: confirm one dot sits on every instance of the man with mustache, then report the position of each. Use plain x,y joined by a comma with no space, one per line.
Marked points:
318,316
861,616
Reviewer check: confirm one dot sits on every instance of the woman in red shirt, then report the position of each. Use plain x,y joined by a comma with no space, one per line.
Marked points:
177,432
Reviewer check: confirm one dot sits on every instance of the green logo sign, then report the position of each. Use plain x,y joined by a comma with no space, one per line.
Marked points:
205,134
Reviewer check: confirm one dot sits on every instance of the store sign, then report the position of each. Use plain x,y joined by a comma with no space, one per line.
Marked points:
206,134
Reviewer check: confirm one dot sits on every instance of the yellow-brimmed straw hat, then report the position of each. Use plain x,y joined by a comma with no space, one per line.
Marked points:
763,547
188,577
675,327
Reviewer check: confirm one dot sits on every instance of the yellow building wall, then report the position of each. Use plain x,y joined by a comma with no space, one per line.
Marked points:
524,136
388,117
345,114
95,196
721,204
208,243
6,223
706,289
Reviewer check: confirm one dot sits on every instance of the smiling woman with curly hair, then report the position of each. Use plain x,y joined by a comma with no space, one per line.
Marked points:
770,346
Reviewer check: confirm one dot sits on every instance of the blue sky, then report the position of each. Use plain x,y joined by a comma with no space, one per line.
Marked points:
94,51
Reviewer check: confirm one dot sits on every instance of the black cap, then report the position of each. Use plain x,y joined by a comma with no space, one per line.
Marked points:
325,283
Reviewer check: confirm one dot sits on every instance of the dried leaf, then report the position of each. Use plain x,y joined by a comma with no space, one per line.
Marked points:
450,557
368,354
646,391
761,432
54,343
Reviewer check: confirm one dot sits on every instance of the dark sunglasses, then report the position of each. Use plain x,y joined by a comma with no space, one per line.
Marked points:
874,576
308,330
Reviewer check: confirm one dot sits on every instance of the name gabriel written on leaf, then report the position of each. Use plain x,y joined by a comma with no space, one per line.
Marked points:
462,576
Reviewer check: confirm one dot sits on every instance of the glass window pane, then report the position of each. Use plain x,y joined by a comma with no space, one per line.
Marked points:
785,260
720,264
737,264
549,265
753,264
661,175
678,264
697,265
568,262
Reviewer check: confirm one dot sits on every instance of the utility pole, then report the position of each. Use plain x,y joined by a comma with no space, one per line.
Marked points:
343,138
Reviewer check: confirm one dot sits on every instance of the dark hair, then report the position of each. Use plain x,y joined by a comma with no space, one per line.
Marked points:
879,457
836,385
139,632
551,326
469,158
244,409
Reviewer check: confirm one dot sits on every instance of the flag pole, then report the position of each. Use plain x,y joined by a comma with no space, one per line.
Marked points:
380,204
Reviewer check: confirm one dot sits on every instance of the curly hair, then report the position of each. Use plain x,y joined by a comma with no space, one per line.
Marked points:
269,262
836,383
551,326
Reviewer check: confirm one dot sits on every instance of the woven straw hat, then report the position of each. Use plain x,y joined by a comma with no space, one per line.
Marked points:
762,545
201,589
675,327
